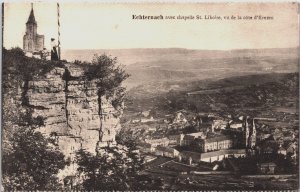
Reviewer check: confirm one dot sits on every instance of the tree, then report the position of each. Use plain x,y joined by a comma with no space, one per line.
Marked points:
29,160
113,168
32,163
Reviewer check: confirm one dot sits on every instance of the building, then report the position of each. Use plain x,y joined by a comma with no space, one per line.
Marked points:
215,143
189,157
146,148
149,158
175,139
266,168
145,120
179,118
281,150
32,42
188,139
219,124
195,157
252,138
244,134
146,113
236,125
220,155
166,152
250,135
267,146
291,148
158,142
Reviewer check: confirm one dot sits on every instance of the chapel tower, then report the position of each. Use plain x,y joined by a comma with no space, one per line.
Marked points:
32,41
252,140
247,133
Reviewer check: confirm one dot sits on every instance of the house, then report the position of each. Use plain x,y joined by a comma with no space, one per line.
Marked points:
145,120
175,139
266,168
179,118
166,152
146,148
236,125
219,124
158,142
135,120
153,129
291,148
146,113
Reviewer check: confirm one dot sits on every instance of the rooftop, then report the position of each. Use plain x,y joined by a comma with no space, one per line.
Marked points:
223,152
166,149
198,134
218,138
213,153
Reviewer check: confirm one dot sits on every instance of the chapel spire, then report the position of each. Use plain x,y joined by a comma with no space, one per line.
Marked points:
31,18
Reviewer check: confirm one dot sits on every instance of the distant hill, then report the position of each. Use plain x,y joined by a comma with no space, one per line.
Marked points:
133,56
171,64
252,93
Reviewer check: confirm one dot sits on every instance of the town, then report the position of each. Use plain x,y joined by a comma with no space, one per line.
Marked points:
170,119
207,144
249,149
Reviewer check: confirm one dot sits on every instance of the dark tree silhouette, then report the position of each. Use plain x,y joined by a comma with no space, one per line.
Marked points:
32,163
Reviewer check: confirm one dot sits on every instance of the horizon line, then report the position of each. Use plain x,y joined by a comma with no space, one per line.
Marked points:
184,48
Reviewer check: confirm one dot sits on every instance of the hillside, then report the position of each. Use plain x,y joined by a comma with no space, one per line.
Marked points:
156,65
252,94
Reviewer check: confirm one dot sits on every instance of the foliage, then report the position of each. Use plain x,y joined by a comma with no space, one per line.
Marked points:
32,163
112,165
114,168
109,74
15,63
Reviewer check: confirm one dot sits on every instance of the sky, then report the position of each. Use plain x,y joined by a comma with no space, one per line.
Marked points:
110,26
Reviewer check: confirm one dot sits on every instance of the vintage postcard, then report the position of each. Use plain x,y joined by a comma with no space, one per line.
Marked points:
150,96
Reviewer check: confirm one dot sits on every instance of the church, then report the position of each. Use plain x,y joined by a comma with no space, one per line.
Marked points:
32,42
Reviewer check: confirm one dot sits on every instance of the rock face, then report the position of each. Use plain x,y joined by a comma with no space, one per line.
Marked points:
70,111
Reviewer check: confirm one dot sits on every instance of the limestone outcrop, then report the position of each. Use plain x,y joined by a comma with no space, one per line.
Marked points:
69,106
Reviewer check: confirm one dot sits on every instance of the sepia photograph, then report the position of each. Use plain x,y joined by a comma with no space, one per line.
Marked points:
150,96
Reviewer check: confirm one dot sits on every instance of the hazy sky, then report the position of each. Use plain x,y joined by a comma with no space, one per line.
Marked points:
110,26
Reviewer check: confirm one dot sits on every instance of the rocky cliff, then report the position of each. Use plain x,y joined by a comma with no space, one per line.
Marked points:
73,107
67,106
